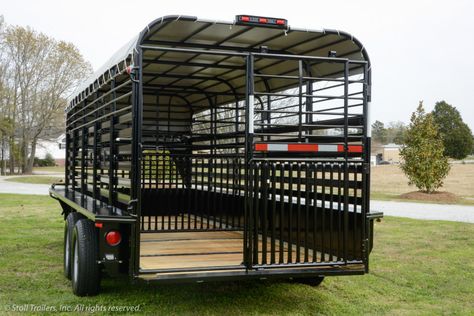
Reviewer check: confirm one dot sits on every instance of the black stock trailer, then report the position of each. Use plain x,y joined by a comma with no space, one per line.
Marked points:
208,150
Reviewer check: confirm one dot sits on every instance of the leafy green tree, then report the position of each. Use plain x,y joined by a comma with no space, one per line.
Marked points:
396,132
423,160
379,133
456,135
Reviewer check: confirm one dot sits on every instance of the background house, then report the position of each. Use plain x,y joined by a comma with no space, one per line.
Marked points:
387,153
55,147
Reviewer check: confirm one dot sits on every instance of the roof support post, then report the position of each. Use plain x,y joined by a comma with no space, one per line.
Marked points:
366,142
111,171
346,165
249,131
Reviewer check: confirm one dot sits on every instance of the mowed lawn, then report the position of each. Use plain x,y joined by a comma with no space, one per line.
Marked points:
417,267
35,179
389,181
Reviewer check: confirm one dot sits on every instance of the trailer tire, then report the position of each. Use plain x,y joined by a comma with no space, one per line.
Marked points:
313,281
69,224
85,268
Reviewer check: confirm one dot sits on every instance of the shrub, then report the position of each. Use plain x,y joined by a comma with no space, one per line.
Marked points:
424,162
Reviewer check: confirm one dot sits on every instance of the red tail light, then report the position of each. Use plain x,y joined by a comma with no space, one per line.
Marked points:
113,238
280,22
245,18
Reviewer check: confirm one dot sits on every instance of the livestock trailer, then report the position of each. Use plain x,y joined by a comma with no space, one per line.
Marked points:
208,150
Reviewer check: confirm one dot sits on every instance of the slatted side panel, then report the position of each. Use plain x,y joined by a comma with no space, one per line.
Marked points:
311,208
191,192
98,144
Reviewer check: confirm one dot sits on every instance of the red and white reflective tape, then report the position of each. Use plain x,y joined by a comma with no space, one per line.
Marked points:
265,147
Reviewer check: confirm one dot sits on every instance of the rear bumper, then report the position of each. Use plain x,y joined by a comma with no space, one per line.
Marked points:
243,274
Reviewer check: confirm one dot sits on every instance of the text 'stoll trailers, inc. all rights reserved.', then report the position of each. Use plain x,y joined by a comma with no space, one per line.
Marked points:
209,150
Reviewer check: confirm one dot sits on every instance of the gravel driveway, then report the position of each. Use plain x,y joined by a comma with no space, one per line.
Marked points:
446,212
22,188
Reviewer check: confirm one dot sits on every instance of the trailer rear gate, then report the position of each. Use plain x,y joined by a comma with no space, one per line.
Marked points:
233,147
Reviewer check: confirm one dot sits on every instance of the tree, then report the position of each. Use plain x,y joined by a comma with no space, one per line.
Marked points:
395,132
379,133
422,153
457,136
40,73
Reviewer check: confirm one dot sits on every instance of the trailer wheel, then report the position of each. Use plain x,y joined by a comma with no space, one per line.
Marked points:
85,268
69,224
314,281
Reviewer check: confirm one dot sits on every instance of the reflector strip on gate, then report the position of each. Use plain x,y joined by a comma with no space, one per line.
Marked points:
295,147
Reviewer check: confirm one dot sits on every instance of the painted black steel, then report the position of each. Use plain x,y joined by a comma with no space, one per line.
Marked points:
172,157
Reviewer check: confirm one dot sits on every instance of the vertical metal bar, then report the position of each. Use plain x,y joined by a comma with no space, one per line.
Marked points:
203,184
346,170
300,100
197,192
74,159
331,212
228,168
264,198
281,168
147,165
307,190
365,207
137,122
339,213
192,180
354,211
249,95
235,191
83,163
220,209
82,157
210,188
273,213
256,210
323,212
176,189
290,213
112,167
298,212
315,212
309,98
162,180
67,162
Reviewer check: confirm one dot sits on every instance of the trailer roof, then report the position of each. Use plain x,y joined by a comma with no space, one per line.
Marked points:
191,32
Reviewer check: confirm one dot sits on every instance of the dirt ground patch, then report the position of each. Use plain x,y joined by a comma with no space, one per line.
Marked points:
445,197
391,180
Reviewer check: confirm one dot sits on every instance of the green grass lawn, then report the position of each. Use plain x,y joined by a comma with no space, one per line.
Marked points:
58,169
417,267
35,179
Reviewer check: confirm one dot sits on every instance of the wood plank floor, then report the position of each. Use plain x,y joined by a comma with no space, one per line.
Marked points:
200,249
190,249
194,249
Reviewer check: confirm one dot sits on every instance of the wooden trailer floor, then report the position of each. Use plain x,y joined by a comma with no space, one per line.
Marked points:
190,249
178,250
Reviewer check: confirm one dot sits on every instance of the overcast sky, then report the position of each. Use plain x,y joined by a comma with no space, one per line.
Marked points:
420,50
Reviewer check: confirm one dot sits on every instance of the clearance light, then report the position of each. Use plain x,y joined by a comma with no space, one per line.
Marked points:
261,20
